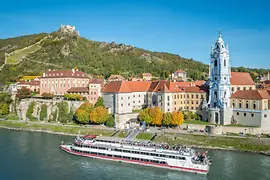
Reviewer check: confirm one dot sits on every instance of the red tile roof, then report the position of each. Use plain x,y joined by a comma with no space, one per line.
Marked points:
251,94
34,83
199,82
64,73
155,86
78,89
96,81
241,78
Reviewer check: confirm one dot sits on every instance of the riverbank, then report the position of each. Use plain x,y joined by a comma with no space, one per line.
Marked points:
253,145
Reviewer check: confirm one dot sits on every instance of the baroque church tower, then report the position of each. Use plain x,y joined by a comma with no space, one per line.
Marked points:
219,82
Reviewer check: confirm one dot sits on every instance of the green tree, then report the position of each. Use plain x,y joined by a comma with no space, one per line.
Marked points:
63,112
144,116
100,102
166,121
30,111
43,112
82,116
110,122
4,109
99,115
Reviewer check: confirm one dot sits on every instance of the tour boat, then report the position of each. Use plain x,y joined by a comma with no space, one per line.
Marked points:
139,152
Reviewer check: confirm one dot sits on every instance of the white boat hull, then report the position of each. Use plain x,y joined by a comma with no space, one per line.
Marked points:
67,149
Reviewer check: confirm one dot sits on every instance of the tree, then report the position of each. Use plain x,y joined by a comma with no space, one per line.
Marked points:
4,109
43,112
157,115
167,118
110,122
99,115
82,116
23,93
144,116
100,102
30,111
177,118
63,112
87,106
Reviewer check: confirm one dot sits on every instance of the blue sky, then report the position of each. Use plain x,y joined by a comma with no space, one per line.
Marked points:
184,27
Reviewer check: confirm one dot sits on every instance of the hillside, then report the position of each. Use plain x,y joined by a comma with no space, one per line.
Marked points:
33,54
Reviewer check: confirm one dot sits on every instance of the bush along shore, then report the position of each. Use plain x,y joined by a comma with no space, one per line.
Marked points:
253,145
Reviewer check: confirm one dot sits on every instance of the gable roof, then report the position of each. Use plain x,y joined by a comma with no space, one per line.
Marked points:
96,81
180,71
251,94
78,89
64,73
241,78
116,87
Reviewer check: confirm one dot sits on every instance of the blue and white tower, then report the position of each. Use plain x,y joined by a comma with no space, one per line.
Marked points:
219,82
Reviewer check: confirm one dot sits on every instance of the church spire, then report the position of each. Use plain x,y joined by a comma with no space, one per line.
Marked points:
219,33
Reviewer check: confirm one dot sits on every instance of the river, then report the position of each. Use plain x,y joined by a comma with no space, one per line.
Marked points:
36,156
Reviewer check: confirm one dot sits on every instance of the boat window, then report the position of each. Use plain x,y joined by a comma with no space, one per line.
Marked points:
109,155
182,158
162,155
172,157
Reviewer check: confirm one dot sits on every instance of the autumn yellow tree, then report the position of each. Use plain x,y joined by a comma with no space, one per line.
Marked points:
82,116
177,118
99,115
156,114
87,106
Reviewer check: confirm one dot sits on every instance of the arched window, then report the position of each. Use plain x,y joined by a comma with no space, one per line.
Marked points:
215,63
215,94
225,62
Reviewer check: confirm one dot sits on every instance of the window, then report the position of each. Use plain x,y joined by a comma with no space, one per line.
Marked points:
174,96
254,106
215,63
168,110
168,104
252,115
250,88
187,96
128,104
233,105
168,98
174,102
244,88
121,98
121,104
128,97
265,115
232,89
197,96
238,88
201,96
215,94
192,96
139,101
178,96
245,114
225,62
247,105
197,102
139,95
240,105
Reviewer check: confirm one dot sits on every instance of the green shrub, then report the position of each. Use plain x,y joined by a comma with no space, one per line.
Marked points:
110,122
30,111
43,112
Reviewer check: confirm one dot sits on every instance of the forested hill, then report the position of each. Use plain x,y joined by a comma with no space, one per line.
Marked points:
33,54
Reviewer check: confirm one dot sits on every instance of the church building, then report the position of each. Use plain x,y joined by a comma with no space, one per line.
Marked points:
233,97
